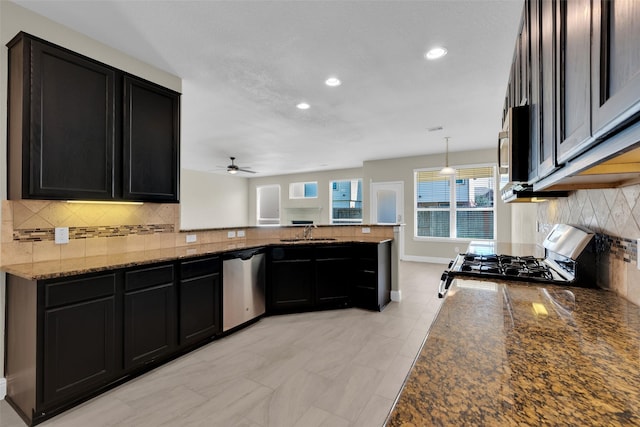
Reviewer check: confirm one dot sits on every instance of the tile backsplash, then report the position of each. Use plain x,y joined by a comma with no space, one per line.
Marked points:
612,213
27,233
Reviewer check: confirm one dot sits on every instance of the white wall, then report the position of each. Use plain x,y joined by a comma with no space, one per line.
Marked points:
14,19
210,200
315,209
388,170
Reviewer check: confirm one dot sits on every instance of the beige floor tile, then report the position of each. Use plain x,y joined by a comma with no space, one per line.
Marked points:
375,412
315,417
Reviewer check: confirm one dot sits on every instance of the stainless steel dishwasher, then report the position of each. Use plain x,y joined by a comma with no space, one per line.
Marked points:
243,287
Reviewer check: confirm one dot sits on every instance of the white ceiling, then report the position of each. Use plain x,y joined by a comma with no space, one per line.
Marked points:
246,64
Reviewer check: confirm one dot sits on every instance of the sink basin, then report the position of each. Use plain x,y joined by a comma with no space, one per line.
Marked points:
313,239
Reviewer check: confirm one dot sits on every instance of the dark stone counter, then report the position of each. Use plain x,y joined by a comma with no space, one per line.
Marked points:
530,355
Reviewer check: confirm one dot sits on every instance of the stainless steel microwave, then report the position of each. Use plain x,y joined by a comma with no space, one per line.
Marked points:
513,148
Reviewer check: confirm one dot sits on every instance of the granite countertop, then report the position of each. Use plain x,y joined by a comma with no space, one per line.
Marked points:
503,354
72,266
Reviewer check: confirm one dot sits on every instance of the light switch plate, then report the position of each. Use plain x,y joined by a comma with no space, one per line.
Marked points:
191,238
240,233
231,234
366,230
61,235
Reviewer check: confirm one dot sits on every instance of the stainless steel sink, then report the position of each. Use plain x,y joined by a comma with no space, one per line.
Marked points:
313,239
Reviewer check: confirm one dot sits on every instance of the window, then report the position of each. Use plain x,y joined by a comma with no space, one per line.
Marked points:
473,214
303,190
346,202
268,203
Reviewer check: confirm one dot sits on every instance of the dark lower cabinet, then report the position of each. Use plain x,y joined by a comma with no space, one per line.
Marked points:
372,283
71,338
334,276
79,336
200,299
149,315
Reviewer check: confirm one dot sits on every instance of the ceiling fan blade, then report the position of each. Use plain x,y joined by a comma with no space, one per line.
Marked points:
246,170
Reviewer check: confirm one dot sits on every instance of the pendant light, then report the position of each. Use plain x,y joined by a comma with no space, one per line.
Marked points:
446,170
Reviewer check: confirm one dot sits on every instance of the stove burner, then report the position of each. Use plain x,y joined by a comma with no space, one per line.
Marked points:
505,265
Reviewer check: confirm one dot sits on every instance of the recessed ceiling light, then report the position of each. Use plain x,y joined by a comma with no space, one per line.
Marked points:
435,53
303,106
333,81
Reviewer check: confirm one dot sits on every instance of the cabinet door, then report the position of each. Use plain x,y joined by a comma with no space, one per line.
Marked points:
72,137
535,94
149,315
574,75
151,138
79,348
334,276
292,283
616,63
200,299
547,91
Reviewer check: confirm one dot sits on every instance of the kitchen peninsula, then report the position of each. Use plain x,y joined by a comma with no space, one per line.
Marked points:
77,327
524,354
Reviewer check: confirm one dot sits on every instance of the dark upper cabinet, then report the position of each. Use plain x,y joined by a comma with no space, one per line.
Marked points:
62,124
546,91
573,78
615,65
81,130
151,135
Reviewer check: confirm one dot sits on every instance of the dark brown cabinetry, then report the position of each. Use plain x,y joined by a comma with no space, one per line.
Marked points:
149,314
334,275
372,284
331,276
151,132
79,129
291,278
615,65
200,297
574,77
79,336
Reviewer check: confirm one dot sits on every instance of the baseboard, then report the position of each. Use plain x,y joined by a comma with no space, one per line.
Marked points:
396,296
432,260
3,388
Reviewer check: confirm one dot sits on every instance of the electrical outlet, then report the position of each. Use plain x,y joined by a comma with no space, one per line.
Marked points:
191,238
231,234
240,233
366,230
62,235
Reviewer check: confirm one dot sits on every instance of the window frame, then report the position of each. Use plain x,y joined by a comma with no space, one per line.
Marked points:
346,221
303,184
453,208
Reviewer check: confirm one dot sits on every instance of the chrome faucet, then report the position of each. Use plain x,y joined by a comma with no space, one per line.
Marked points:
306,234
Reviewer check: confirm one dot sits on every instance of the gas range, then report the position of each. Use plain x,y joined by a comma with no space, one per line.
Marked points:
569,260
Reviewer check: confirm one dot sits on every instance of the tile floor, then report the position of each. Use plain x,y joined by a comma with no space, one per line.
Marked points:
329,368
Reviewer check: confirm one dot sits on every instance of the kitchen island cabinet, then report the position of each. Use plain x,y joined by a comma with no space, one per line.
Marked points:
291,281
83,130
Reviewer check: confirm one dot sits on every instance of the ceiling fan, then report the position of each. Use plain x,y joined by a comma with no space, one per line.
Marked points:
233,168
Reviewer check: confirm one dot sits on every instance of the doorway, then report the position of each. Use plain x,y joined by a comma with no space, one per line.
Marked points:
387,203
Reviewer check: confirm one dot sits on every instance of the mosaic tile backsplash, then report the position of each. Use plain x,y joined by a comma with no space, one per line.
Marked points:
614,215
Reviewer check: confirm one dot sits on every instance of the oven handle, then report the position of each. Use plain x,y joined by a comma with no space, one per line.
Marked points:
445,282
